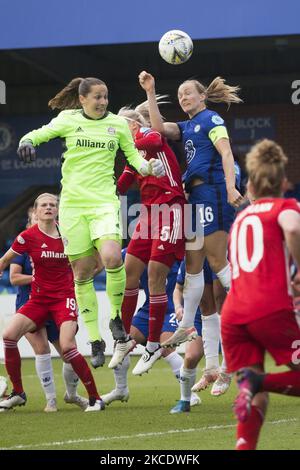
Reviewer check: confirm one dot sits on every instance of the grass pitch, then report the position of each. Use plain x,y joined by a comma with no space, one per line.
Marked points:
144,422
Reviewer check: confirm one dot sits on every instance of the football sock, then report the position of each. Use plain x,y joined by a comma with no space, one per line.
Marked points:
13,364
248,432
44,370
128,307
157,311
115,288
224,277
211,339
81,368
187,380
71,379
88,307
120,373
287,383
192,294
176,362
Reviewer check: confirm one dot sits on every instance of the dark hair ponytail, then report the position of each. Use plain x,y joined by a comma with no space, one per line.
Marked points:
68,97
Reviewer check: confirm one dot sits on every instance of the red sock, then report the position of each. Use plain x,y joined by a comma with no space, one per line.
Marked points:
83,371
158,308
13,364
287,383
248,432
129,306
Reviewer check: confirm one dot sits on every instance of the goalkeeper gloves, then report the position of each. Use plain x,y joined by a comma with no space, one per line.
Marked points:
153,167
26,151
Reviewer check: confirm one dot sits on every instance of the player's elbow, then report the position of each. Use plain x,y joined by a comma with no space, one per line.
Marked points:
14,280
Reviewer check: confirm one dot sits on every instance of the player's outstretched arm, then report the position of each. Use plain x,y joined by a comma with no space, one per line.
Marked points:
168,129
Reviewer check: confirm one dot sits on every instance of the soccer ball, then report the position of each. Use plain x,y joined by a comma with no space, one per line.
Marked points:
175,47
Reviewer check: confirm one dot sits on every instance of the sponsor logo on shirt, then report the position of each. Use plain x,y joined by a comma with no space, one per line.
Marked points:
161,247
111,145
44,245
197,128
217,120
52,254
21,240
111,130
79,129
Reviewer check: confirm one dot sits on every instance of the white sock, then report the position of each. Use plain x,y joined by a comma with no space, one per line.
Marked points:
224,365
211,339
120,373
192,294
71,379
187,380
224,277
152,346
43,366
176,362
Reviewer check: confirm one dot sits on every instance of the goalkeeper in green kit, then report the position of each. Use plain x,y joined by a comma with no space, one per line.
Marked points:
89,214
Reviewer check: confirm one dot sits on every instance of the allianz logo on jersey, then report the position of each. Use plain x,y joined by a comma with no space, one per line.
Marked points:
110,145
52,254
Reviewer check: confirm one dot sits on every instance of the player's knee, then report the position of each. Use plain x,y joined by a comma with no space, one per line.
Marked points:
190,361
112,260
66,347
9,335
41,349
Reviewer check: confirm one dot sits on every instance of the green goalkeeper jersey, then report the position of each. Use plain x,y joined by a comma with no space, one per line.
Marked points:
89,156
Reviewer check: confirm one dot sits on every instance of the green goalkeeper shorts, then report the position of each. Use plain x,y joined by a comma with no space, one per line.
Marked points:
80,227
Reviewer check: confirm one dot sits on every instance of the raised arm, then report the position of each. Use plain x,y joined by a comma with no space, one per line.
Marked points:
169,129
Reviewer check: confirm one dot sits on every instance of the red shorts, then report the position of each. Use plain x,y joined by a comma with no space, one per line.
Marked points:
245,345
159,234
40,310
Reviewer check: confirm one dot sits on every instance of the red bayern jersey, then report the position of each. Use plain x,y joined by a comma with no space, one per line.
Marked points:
52,274
154,190
259,262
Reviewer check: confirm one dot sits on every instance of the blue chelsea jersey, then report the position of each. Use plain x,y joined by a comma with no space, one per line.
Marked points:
203,160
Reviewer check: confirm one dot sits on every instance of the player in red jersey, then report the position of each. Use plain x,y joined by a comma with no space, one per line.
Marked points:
52,296
258,315
158,239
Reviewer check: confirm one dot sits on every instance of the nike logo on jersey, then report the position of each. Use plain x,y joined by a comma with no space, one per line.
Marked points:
161,247
44,245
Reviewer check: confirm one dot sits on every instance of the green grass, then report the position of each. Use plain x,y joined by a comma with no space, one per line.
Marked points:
142,423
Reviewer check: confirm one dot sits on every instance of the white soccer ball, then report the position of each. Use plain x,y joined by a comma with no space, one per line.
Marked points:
175,47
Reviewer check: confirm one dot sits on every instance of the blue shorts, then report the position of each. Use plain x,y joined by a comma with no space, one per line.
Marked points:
213,212
52,331
141,322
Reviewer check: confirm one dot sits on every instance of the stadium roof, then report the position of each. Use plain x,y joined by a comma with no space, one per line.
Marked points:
33,24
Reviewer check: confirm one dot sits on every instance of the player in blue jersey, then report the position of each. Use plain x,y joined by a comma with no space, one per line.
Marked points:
21,276
139,332
210,182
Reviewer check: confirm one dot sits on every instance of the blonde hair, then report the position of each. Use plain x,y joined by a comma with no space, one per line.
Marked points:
140,113
217,91
54,196
265,164
68,97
